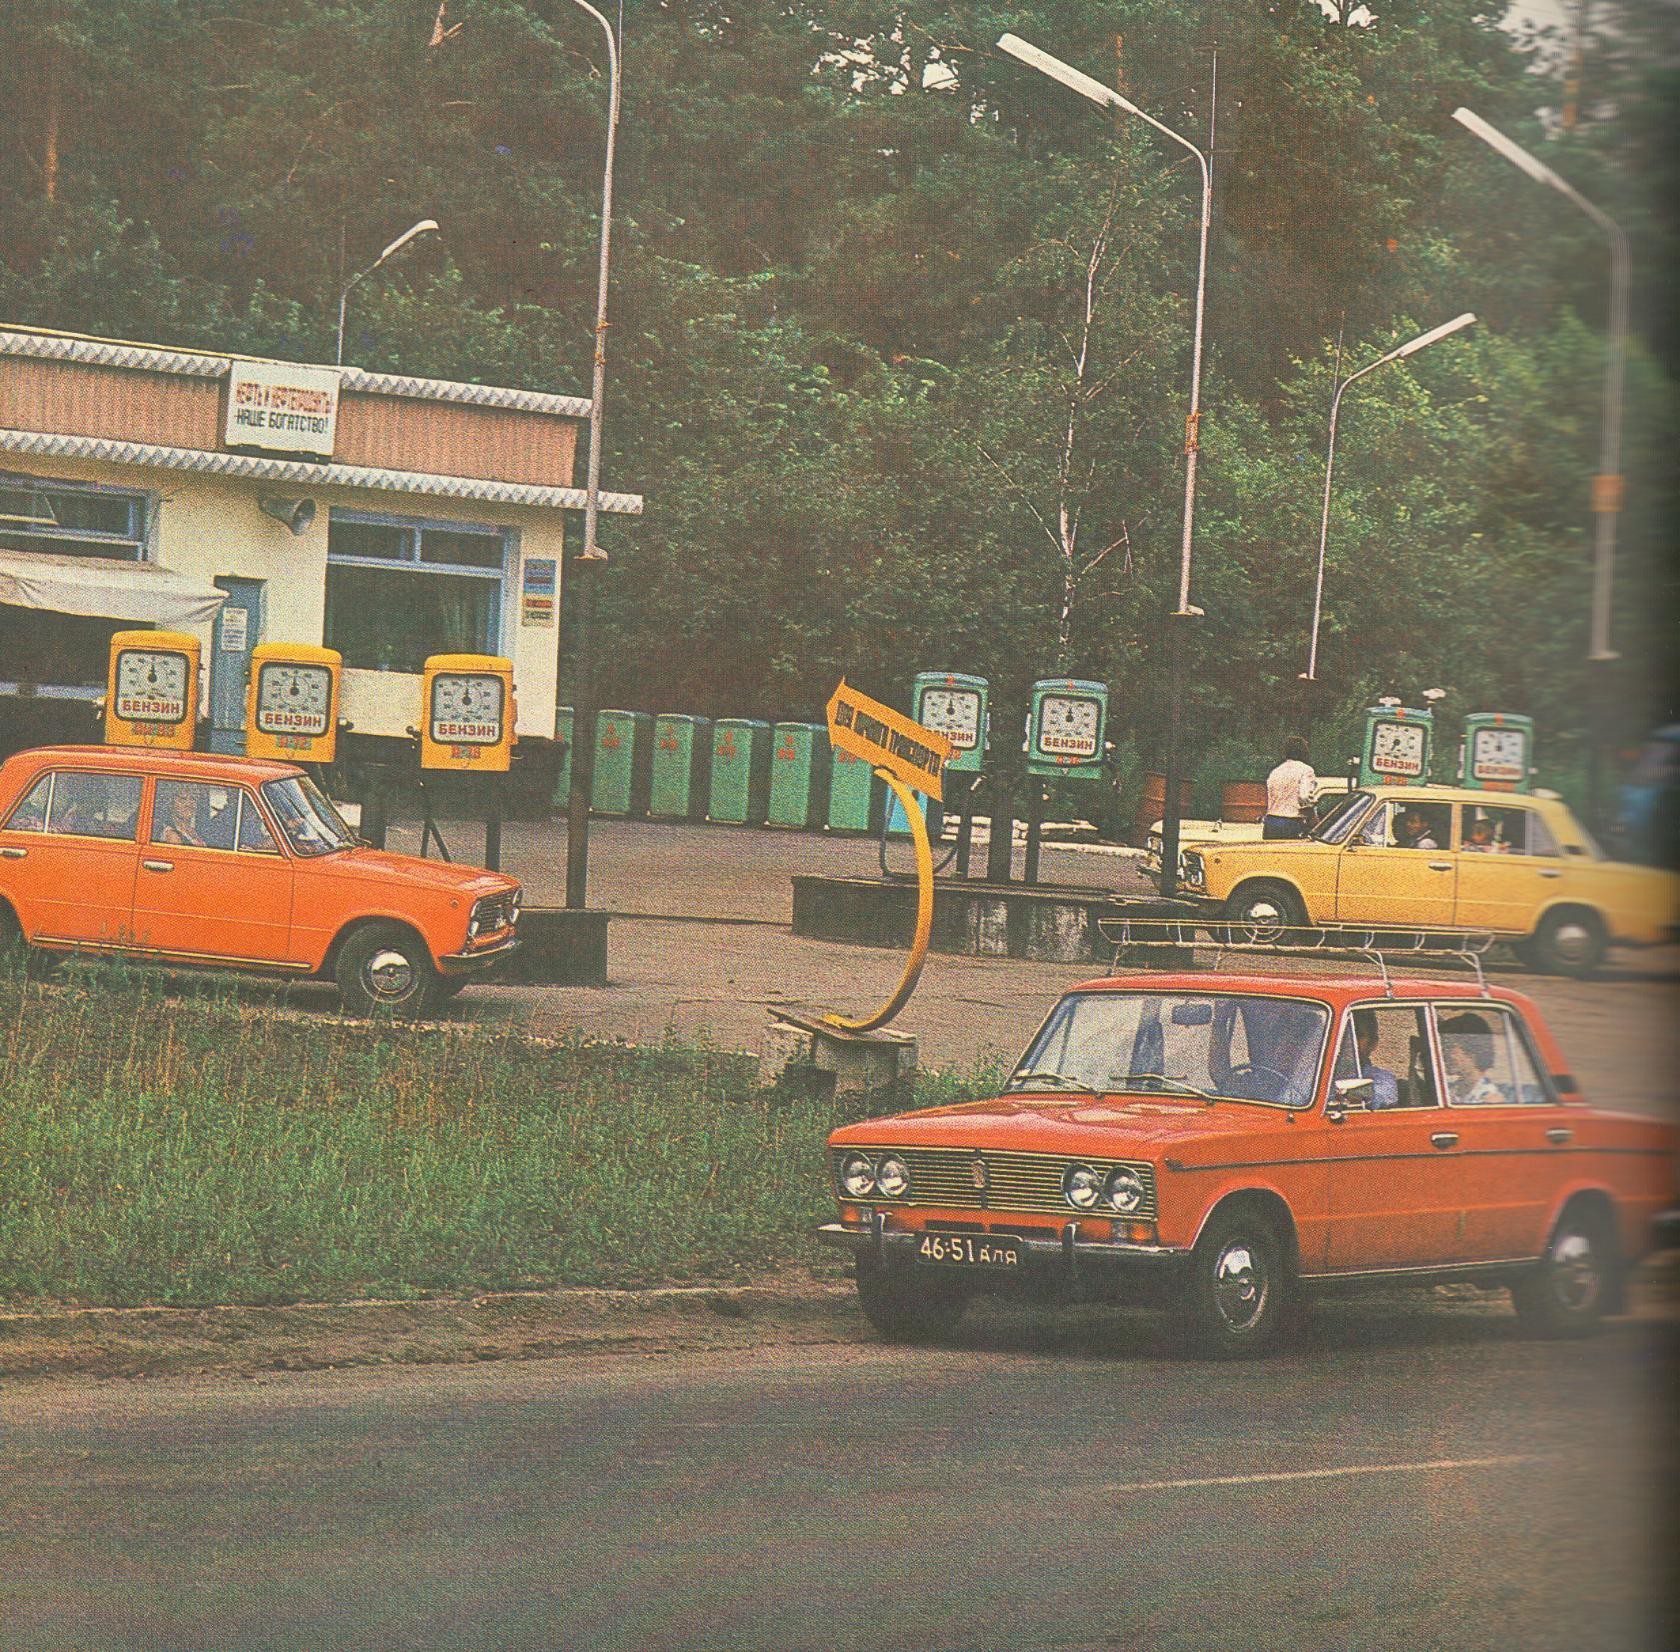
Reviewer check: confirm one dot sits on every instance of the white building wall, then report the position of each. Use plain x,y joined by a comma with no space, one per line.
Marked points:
204,527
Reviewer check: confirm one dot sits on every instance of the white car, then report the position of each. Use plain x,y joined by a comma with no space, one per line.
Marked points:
1330,786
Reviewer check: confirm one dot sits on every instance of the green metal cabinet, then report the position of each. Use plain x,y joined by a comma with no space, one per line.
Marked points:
680,768
798,774
740,790
620,738
852,793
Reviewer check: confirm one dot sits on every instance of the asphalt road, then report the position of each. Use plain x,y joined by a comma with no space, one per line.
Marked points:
1409,1477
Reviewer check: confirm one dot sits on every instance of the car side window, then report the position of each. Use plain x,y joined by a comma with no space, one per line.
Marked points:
30,815
1540,839
254,835
194,814
95,805
1389,1044
1503,830
1488,1059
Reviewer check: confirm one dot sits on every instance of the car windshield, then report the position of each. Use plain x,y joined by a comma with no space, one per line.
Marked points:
1342,819
1214,1046
311,824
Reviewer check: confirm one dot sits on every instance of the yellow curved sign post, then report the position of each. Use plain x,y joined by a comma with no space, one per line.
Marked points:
905,755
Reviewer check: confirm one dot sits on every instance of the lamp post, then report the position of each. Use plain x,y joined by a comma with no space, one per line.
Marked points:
1409,348
583,698
1607,484
426,226
1107,97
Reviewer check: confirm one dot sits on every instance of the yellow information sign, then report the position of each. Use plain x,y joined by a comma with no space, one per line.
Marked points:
888,740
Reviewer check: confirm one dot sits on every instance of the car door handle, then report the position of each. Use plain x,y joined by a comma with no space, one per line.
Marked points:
13,854
1550,872
158,865
1558,1135
1444,1138
1440,866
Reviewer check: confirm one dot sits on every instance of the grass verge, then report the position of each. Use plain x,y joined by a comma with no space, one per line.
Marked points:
184,1150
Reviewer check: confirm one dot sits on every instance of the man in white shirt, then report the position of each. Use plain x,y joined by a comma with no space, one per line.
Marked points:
1290,787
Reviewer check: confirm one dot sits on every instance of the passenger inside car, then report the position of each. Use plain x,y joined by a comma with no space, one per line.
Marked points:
1467,1049
1380,1043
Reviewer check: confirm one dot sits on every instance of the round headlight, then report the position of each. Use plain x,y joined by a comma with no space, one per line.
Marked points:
1082,1186
892,1178
1123,1189
857,1175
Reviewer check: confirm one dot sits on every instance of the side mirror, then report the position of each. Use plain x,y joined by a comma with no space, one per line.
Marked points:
1346,1093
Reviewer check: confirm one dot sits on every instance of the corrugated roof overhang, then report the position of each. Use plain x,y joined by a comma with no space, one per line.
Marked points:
47,444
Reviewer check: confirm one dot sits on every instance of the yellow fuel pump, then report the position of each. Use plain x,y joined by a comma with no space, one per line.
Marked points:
151,691
468,714
291,712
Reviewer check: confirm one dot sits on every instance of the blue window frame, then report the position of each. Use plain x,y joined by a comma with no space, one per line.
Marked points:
71,518
399,589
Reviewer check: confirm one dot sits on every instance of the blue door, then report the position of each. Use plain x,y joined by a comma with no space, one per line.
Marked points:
237,631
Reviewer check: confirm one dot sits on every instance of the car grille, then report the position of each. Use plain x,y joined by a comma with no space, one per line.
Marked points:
1014,1181
495,912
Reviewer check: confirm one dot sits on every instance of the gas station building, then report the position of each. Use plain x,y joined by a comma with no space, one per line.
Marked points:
251,501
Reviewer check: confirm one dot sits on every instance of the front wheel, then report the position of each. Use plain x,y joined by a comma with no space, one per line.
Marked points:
1567,1293
1239,1291
1265,911
906,1306
384,967
1566,943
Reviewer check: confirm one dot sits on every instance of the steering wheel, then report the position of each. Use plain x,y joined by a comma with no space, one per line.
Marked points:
1276,1084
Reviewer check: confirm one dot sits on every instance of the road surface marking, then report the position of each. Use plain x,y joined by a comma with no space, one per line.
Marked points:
1323,1473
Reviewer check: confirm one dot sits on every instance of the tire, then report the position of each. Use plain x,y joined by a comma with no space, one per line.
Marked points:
384,967
906,1306
1240,1294
1570,942
1569,1291
1266,909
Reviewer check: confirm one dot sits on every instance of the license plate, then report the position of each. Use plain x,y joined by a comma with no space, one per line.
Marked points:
969,1250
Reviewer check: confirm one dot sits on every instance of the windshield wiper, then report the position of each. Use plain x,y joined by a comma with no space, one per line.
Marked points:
1047,1079
1126,1081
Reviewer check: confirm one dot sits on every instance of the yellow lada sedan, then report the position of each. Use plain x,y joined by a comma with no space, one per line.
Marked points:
1439,859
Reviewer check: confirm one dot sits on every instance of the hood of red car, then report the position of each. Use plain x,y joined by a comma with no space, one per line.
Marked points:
382,866
1105,1126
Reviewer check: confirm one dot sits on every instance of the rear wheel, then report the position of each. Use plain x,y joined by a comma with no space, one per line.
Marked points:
1570,942
907,1306
1240,1290
1568,1293
384,967
1265,911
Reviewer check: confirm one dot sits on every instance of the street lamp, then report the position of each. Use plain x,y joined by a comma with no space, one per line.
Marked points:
426,226
1409,348
583,703
1607,484
1107,97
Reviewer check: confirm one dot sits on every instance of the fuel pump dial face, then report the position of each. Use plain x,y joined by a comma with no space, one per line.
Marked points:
294,699
466,709
1068,726
151,686
1397,748
953,712
1499,754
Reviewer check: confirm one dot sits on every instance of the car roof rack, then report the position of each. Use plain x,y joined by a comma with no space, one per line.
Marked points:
1377,945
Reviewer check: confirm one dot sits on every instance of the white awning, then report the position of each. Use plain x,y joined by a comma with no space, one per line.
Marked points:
105,588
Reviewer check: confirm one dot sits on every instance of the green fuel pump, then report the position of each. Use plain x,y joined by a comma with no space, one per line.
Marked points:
1498,753
1398,743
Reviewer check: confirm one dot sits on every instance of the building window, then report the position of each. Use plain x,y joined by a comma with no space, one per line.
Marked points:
71,519
400,590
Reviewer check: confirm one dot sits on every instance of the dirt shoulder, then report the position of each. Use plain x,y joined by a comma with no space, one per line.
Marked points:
145,1342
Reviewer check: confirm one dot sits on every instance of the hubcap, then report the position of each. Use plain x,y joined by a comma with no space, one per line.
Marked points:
1263,910
1239,1286
1575,1278
1573,942
388,974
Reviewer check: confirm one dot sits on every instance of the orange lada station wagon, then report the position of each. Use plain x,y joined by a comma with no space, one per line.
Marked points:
195,859
1224,1144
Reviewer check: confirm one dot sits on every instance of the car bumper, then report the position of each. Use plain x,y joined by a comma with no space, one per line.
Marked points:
1109,1267
469,963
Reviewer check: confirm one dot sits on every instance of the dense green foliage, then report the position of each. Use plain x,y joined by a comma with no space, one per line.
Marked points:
157,1150
900,342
